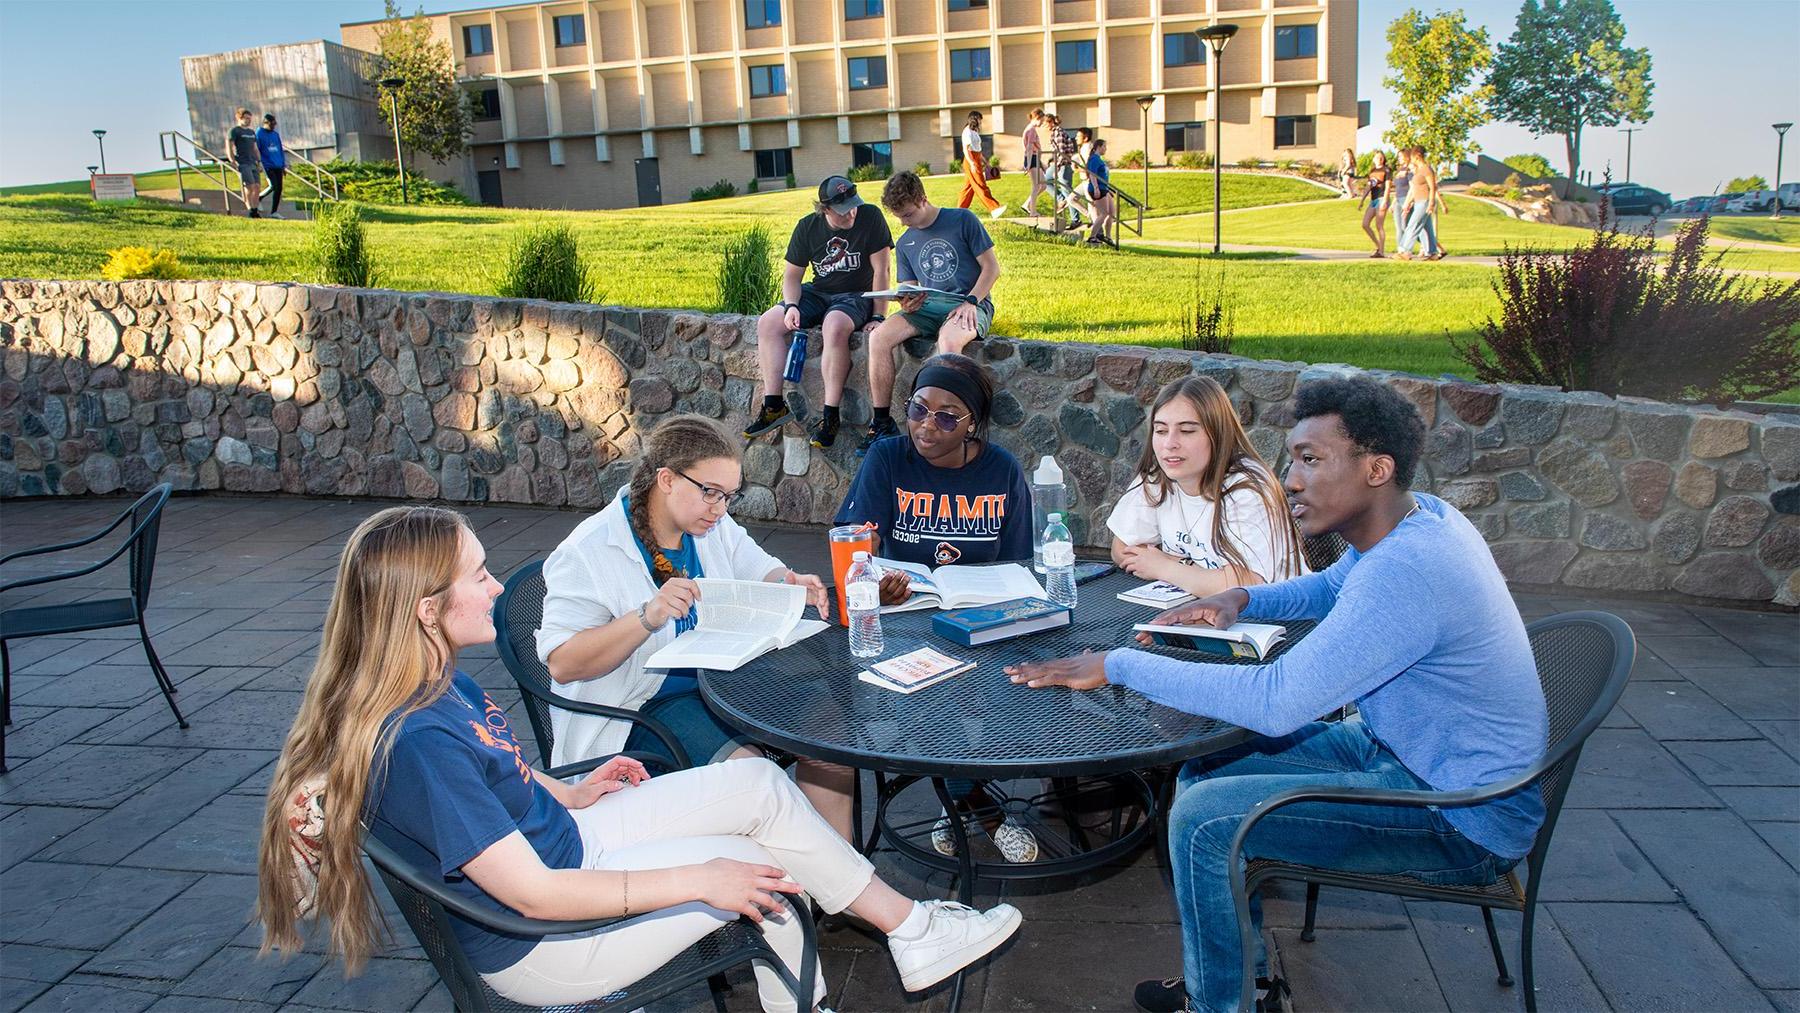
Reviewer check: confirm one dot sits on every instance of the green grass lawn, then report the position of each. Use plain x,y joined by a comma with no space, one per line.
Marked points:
162,179
1785,230
1466,226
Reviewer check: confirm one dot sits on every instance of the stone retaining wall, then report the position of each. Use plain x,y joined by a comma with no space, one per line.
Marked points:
331,391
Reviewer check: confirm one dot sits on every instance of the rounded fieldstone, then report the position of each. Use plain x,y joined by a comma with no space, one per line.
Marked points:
1533,562
682,374
1579,471
1676,538
1615,573
1530,419
1747,476
1781,448
762,464
1469,494
1610,534
652,395
1522,486
1006,410
1473,403
101,473
1697,485
1082,425
1448,446
1120,370
1040,434
1736,522
1718,436
1267,383
1590,419
1658,431
1730,575
1077,362
1647,486
1544,520
758,504
1491,437
1786,500
1125,415
1779,548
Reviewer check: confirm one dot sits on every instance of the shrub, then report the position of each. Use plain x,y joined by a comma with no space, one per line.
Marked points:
129,262
1210,321
1530,165
1133,159
1599,317
723,188
752,186
747,273
340,246
543,262
378,183
1287,165
921,168
956,167
869,173
1249,163
1193,160
790,181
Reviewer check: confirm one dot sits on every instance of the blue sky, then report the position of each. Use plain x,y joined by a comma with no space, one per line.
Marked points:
1724,70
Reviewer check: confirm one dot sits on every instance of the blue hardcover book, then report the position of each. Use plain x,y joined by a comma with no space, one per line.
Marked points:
987,624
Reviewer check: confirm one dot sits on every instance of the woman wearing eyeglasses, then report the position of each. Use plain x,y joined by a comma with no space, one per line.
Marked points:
940,494
622,586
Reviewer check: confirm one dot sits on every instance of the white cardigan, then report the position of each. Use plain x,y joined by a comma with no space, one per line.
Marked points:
598,574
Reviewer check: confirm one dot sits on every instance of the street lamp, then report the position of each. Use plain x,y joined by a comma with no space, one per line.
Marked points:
1144,104
100,135
393,84
93,169
1215,37
1628,131
1781,130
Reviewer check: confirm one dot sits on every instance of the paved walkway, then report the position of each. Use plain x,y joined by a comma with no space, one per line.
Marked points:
128,846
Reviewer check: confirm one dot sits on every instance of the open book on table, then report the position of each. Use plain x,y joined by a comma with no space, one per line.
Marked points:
949,587
739,620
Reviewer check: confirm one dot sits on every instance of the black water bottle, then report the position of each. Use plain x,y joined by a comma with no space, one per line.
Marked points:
796,359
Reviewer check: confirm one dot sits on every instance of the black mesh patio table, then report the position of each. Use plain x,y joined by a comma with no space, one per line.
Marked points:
808,700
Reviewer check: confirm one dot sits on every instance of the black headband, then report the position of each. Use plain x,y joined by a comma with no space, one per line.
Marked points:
956,382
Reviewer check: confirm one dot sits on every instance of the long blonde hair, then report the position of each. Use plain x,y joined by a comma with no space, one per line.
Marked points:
376,658
1235,465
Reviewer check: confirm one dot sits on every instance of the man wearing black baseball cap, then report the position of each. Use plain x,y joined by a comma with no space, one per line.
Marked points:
848,247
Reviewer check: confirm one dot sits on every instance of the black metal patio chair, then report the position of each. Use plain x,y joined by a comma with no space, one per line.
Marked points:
1583,661
428,906
80,616
517,614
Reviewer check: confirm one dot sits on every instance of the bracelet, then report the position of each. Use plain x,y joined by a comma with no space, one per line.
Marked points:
627,891
644,618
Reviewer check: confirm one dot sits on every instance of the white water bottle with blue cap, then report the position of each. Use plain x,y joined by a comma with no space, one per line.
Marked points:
862,599
1048,496
1059,562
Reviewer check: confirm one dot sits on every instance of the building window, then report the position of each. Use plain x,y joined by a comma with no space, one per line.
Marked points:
856,10
968,5
1183,49
1294,132
1184,136
873,153
478,40
987,144
970,65
1296,42
774,163
571,30
762,14
485,104
768,80
868,72
1075,57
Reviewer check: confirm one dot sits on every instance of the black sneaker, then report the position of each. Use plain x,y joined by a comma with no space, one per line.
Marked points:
1170,995
880,429
769,417
823,432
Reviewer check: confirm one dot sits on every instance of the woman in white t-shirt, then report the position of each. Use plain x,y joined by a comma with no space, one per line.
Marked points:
1205,512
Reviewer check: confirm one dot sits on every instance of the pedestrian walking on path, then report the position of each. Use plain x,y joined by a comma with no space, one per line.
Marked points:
274,161
1376,199
240,147
1100,191
975,170
1033,147
1346,172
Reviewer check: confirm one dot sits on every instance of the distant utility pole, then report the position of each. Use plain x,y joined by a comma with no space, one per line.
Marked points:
1628,131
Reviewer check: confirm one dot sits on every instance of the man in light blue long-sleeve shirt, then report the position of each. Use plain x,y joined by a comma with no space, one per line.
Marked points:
1415,625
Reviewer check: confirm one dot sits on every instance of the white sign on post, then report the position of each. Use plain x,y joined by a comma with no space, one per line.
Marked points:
113,186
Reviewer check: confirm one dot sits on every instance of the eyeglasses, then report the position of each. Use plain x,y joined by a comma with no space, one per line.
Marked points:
713,494
918,411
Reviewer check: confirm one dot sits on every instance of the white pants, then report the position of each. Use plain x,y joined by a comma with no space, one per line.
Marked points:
746,810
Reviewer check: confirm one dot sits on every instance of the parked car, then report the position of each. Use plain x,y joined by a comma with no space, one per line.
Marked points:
1719,202
1690,205
1752,200
1789,196
1632,199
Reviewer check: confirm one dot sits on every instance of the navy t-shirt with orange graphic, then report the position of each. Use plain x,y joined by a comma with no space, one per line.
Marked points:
456,784
978,513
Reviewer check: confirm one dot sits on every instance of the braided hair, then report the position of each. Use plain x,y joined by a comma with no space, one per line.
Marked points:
677,443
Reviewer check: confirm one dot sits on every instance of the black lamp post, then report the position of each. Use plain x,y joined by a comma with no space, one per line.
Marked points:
392,84
100,135
93,169
1144,104
1628,131
1781,130
1215,37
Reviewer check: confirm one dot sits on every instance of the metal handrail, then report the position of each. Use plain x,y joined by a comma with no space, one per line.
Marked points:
170,141
1063,194
322,174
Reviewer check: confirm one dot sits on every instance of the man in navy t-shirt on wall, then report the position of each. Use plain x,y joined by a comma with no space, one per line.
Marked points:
942,248
847,245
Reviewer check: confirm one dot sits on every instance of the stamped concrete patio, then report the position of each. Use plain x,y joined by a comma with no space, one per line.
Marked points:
127,846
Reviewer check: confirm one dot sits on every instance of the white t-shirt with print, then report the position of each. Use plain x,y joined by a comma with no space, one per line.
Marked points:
971,141
1182,526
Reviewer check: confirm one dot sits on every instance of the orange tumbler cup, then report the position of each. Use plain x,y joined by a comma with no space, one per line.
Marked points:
846,542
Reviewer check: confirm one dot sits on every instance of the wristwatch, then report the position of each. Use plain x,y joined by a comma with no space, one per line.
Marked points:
644,618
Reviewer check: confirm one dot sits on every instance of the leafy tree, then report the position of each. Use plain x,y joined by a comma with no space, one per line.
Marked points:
434,111
1566,68
1437,64
1743,183
1531,165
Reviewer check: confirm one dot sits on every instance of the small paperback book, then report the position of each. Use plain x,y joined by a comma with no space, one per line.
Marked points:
987,624
1158,594
740,620
1239,640
957,586
914,670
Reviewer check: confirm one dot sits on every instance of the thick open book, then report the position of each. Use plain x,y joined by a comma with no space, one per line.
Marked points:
1239,640
739,620
950,587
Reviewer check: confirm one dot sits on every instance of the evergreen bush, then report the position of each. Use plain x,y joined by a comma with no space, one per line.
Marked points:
131,262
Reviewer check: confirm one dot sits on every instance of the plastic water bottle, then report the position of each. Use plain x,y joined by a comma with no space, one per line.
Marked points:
1048,495
862,599
1059,562
796,358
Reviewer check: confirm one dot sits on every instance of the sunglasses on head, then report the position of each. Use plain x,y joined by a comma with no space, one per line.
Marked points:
919,411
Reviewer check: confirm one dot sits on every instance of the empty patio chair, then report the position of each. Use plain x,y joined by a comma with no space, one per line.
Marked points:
428,906
80,616
1583,661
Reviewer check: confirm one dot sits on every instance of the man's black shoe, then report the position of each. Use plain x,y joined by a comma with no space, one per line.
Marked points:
770,416
880,429
824,431
1169,995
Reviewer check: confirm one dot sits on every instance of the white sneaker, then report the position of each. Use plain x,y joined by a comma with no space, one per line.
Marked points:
997,212
955,937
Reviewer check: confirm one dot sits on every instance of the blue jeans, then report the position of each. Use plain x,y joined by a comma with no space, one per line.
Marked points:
1214,794
1419,227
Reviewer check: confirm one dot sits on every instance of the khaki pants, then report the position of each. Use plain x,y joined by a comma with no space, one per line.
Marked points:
746,810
